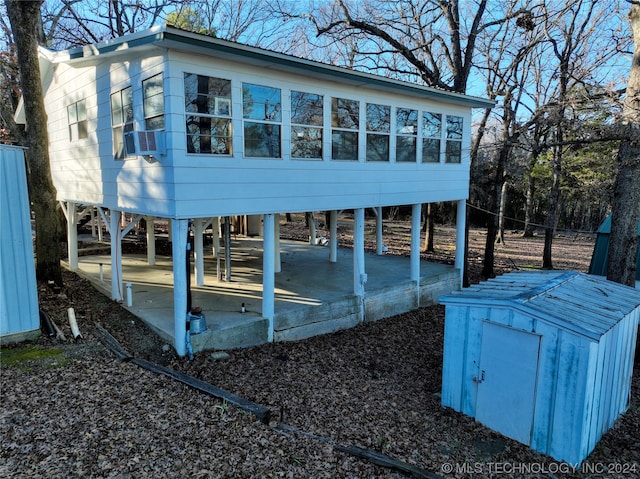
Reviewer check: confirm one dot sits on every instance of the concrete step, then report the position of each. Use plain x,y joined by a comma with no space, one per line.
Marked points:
239,332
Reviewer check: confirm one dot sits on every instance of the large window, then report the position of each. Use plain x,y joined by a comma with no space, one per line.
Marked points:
153,103
431,134
378,128
77,116
345,121
406,134
262,113
122,122
454,139
208,114
306,125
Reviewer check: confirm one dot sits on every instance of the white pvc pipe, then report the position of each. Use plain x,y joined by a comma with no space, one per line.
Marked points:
73,323
129,295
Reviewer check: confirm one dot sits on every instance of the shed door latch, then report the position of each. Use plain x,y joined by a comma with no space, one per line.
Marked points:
480,379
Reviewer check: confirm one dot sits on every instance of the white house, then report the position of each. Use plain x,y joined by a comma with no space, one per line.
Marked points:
173,124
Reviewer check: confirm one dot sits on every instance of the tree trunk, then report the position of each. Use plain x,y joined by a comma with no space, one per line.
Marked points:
503,206
529,227
623,241
428,228
492,223
25,18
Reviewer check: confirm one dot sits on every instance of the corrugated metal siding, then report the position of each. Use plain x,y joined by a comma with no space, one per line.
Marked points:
588,330
18,292
573,301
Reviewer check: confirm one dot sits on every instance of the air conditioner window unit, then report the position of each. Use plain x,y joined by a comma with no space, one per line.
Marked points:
144,143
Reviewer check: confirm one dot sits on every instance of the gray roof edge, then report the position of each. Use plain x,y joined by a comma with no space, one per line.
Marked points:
166,34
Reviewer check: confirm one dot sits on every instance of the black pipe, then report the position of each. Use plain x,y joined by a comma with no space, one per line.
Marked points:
46,325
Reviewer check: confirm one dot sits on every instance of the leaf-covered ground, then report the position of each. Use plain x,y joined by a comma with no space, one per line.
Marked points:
71,409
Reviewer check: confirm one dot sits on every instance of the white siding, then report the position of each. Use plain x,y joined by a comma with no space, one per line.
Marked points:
183,185
18,293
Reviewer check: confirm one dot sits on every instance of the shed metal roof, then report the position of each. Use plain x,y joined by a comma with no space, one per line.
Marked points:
574,301
173,38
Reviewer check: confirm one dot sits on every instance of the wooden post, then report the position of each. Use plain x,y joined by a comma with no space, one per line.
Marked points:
268,273
179,229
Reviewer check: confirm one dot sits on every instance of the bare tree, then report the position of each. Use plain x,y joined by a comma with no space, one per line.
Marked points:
25,18
623,241
572,32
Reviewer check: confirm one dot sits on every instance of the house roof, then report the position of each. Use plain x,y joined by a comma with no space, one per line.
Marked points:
172,38
573,301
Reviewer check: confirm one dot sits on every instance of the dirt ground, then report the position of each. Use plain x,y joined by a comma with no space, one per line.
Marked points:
71,409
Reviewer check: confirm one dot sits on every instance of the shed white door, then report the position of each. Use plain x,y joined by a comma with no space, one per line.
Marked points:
507,380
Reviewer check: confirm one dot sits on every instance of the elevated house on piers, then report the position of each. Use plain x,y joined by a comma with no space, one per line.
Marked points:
172,124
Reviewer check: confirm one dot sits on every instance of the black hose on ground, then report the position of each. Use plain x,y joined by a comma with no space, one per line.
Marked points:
46,325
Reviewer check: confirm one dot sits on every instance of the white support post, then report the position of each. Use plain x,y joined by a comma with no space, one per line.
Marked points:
415,242
71,212
312,229
198,246
461,223
379,242
215,227
116,255
94,231
180,230
359,274
276,246
151,241
99,225
268,273
215,233
333,236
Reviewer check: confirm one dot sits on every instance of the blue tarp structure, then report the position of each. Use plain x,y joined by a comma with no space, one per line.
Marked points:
600,256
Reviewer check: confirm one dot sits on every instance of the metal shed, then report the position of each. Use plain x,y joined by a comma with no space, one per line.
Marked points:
600,257
19,316
543,357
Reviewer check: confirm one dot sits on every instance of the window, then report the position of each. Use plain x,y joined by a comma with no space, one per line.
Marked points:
406,134
378,128
261,110
208,114
454,139
345,118
306,125
77,113
153,103
122,122
431,134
